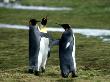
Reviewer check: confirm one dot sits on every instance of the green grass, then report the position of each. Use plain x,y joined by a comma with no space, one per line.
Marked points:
69,3
85,13
48,2
11,45
92,57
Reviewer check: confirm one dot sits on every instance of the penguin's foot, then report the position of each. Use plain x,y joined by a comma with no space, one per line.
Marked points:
65,75
42,70
30,71
37,73
74,75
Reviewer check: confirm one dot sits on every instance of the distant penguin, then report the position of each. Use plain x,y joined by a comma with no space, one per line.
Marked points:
67,52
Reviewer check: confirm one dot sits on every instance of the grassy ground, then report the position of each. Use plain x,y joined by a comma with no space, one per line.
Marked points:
92,56
85,13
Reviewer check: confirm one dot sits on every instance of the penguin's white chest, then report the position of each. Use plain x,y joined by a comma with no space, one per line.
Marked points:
44,45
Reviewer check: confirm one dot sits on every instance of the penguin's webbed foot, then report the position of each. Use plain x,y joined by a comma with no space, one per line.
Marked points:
30,71
42,70
65,75
37,73
74,75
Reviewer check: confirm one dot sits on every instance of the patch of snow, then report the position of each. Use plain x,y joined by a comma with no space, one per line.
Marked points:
23,7
101,33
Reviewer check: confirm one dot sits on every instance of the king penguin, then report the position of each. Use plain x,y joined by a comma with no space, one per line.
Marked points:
38,48
67,52
44,47
34,41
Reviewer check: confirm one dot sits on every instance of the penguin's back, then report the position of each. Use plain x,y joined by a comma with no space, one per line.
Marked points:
34,40
65,53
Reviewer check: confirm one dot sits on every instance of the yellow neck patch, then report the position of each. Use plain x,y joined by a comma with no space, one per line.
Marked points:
43,29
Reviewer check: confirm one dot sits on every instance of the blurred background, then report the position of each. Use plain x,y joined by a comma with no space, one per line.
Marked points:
83,13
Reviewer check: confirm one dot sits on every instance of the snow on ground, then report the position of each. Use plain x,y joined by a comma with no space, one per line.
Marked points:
23,7
102,33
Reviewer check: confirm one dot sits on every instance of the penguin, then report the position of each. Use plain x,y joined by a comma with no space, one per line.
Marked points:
38,48
34,45
44,47
67,52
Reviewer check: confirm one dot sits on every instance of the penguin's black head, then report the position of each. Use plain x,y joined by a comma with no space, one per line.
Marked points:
44,21
33,22
65,26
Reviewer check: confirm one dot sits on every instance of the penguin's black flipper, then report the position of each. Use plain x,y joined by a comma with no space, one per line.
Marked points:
48,54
